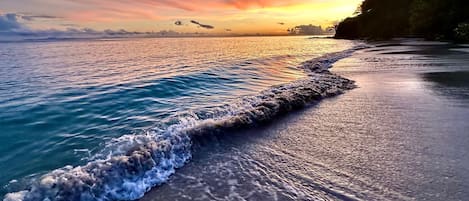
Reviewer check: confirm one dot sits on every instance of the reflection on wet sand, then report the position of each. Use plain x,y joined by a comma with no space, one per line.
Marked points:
454,85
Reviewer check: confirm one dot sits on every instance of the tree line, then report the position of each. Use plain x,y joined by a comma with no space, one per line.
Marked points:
384,19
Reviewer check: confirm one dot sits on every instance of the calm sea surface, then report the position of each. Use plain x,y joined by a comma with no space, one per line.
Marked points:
63,103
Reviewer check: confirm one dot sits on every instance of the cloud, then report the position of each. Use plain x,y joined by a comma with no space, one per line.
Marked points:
129,13
9,22
13,28
228,30
107,10
194,5
205,26
14,22
69,25
36,17
245,4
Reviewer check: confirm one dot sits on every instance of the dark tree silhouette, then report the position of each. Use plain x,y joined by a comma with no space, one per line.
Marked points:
307,30
383,19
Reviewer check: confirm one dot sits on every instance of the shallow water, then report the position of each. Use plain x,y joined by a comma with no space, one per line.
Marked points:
401,135
66,103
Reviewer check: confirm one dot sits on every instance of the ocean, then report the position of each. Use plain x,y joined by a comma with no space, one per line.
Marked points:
249,118
111,119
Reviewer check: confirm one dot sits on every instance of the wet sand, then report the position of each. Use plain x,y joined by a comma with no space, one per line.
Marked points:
403,134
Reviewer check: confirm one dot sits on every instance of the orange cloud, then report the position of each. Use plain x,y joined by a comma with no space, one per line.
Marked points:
194,5
105,10
147,15
245,4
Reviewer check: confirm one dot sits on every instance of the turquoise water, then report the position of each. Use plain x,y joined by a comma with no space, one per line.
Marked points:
69,103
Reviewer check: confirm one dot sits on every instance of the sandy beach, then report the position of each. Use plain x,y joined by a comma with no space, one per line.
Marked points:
402,134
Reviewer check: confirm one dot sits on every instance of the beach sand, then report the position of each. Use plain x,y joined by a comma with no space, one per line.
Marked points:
403,134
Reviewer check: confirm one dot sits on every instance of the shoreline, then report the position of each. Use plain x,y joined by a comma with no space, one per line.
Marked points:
373,148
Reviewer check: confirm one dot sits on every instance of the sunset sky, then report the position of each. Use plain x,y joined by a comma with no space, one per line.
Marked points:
234,16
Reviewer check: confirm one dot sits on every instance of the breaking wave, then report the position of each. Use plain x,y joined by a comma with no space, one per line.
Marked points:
131,165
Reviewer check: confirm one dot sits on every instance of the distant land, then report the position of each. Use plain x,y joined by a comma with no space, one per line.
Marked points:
79,34
310,30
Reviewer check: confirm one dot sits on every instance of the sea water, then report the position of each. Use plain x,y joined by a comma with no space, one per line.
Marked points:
110,119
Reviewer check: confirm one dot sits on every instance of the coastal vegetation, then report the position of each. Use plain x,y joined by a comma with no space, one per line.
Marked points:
310,30
431,19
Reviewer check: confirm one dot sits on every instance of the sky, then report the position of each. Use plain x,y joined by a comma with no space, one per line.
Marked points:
181,16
